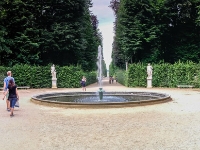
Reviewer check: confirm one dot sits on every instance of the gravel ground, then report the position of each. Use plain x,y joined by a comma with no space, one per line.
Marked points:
168,126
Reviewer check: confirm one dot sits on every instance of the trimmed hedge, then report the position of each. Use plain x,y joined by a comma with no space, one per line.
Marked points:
40,76
164,75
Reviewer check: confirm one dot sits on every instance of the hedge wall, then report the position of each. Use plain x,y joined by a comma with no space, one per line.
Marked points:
164,75
40,76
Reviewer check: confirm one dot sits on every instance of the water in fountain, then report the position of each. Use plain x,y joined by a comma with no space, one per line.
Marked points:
99,72
108,97
99,65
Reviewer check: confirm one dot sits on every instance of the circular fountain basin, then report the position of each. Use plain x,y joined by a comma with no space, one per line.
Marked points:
91,99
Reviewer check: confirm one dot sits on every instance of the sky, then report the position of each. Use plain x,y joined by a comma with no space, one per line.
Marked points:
105,16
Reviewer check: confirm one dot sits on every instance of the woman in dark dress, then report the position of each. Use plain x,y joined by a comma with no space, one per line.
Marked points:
83,83
13,95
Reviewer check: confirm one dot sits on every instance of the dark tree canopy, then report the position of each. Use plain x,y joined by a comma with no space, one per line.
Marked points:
156,30
62,32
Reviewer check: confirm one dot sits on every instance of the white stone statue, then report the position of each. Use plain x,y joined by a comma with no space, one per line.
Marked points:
53,71
149,71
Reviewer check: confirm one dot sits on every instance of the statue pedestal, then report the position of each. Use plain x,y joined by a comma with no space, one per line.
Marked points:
54,83
149,82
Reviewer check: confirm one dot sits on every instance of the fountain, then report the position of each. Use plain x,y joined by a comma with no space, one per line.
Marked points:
99,72
110,99
104,99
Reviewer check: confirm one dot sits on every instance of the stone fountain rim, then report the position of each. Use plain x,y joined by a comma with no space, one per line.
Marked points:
38,99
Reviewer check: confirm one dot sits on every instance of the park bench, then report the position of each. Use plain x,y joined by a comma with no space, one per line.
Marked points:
184,86
23,87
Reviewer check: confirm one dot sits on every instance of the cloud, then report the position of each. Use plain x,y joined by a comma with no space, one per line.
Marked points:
102,10
103,13
106,18
107,32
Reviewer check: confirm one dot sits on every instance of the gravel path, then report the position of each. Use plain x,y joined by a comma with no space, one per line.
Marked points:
168,126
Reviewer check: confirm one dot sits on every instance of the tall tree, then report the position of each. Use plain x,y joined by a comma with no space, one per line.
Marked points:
151,31
43,32
180,41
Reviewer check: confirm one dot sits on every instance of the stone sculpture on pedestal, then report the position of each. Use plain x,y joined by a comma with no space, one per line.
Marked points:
54,79
149,75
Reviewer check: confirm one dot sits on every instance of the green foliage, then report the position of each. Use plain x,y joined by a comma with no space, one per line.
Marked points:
165,74
91,77
40,76
112,69
172,75
137,75
33,76
43,32
3,74
121,76
69,76
155,30
104,69
196,81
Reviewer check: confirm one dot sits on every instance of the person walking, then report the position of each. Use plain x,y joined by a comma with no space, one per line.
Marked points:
116,79
13,95
5,87
112,79
83,83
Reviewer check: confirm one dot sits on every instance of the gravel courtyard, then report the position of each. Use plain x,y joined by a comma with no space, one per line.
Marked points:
174,125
